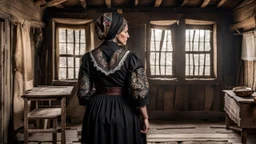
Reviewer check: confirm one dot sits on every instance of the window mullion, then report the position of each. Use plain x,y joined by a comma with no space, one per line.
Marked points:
66,53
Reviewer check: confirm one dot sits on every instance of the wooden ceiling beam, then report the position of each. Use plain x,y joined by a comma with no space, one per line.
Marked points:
59,6
157,3
221,3
108,3
205,3
184,3
83,3
53,3
250,22
136,2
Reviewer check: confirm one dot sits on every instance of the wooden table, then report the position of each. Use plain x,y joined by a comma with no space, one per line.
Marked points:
43,93
241,110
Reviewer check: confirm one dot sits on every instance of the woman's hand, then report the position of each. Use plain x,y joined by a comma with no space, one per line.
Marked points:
145,126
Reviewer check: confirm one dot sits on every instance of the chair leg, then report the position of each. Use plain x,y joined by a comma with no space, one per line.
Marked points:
54,134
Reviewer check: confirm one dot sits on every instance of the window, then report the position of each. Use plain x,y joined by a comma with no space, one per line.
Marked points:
72,46
198,51
161,53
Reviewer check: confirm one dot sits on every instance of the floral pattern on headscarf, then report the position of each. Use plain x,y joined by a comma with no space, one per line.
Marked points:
108,25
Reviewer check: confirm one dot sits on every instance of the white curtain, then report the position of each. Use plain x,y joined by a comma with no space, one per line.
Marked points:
249,46
23,78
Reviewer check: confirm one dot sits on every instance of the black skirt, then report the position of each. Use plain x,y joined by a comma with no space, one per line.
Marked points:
111,120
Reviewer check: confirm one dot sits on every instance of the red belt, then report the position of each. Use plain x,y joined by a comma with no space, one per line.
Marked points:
111,91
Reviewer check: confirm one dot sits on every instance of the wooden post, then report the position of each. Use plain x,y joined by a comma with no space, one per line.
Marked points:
244,135
63,120
25,120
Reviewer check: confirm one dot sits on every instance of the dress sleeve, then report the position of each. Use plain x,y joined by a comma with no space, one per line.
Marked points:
138,82
84,81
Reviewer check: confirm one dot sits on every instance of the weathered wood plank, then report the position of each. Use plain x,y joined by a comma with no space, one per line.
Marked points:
205,3
188,115
18,9
184,2
221,2
208,97
152,98
169,99
159,99
52,3
247,23
179,97
157,3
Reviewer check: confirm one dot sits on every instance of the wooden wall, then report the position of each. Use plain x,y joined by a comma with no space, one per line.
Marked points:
11,12
180,98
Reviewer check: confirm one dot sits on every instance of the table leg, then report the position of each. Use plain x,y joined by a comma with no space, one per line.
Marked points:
54,135
63,120
243,135
25,120
227,121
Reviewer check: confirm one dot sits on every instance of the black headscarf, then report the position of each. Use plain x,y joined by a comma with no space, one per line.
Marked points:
109,25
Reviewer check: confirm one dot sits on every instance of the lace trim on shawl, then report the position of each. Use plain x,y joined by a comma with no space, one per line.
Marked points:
116,62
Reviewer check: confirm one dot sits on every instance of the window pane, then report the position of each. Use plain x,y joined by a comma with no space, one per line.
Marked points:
62,35
196,70
157,58
77,62
158,34
77,36
70,49
207,70
70,62
169,46
201,35
157,70
196,35
162,68
201,70
70,36
152,58
62,73
77,71
207,35
77,48
201,59
207,59
82,40
191,59
168,70
71,73
169,59
152,70
82,49
191,70
195,48
187,70
162,61
207,46
62,62
62,47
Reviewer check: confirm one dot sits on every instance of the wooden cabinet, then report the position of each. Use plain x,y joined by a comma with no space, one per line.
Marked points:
240,110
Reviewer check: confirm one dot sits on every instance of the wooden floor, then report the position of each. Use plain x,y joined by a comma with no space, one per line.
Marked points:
165,132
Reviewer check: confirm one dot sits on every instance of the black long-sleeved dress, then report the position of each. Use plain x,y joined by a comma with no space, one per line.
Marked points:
112,119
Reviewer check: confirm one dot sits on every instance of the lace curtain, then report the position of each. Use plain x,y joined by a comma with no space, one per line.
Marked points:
249,46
